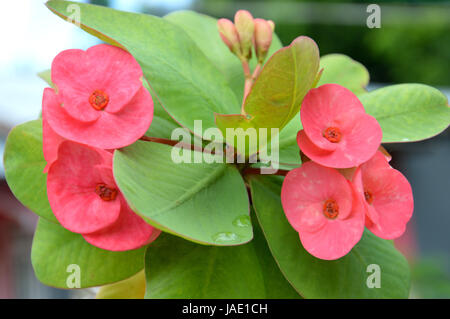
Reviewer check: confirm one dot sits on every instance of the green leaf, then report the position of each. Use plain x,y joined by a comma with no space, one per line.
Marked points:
187,84
47,77
316,278
176,268
203,30
408,112
130,288
343,70
277,93
289,152
276,286
161,127
55,249
198,201
24,168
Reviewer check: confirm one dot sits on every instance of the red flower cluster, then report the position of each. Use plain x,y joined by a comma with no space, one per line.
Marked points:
348,184
99,104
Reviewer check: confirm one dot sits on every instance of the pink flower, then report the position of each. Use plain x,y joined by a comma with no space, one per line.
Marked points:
101,100
50,139
323,208
86,200
337,131
386,195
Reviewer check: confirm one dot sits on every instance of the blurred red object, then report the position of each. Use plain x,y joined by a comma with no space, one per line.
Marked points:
15,222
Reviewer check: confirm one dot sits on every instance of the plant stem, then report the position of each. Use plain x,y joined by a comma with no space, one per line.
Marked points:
248,82
257,171
256,71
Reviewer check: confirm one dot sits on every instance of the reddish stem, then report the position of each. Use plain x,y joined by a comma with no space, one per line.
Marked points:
257,171
174,143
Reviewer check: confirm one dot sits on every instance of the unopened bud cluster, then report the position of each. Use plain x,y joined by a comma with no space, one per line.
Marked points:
245,33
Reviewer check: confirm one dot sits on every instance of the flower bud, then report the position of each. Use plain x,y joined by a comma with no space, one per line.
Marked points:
262,38
229,35
272,24
243,21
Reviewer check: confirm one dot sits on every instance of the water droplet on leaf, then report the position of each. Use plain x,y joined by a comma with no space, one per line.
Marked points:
225,237
242,221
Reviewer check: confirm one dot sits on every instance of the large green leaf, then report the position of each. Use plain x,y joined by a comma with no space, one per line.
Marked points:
187,84
316,278
202,202
343,70
55,249
176,268
276,286
203,30
408,112
24,168
278,91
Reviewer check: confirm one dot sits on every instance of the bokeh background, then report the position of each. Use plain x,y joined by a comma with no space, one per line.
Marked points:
412,45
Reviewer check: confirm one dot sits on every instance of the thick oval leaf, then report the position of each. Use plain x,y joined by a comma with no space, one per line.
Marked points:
343,70
187,84
203,30
59,255
176,268
276,286
198,201
130,288
278,92
24,168
346,277
408,112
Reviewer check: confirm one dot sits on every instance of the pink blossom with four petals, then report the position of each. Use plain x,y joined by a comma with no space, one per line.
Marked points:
322,206
337,132
85,199
101,100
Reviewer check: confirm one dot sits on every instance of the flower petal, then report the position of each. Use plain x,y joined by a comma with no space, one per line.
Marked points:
304,191
77,74
336,238
119,73
329,105
110,131
356,147
73,75
129,232
50,139
71,184
392,200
